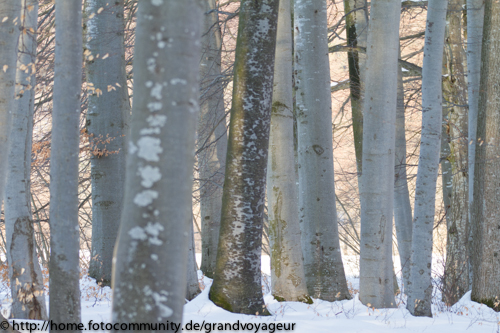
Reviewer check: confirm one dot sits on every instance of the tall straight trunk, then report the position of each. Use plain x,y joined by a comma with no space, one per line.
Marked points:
193,287
377,180
402,207
486,204
212,138
28,299
324,270
149,273
455,93
237,283
420,288
64,230
354,19
108,109
475,18
288,281
446,168
9,30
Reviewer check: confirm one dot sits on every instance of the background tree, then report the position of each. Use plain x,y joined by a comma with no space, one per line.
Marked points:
377,185
323,265
107,114
475,19
212,137
193,287
9,30
149,276
420,288
237,283
287,265
64,231
455,94
26,280
403,217
356,30
486,204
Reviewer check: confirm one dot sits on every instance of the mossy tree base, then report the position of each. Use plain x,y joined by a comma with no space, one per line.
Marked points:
237,306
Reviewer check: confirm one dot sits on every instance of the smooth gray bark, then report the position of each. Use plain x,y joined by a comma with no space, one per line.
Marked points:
149,273
324,270
28,299
193,286
377,180
288,282
420,288
108,107
10,11
64,229
486,204
237,284
403,217
475,19
212,138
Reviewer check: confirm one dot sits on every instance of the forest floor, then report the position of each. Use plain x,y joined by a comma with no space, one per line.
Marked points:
342,316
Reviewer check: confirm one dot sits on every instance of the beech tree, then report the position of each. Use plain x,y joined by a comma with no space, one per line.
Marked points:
420,288
377,180
212,138
193,287
10,10
324,270
486,204
403,217
108,110
288,281
28,299
356,29
455,95
475,19
64,230
237,283
149,274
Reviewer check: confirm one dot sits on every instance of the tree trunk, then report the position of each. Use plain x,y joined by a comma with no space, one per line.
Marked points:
355,18
28,299
288,281
108,108
64,230
402,207
193,286
237,283
455,93
324,270
212,138
149,274
475,18
420,288
377,180
9,30
486,205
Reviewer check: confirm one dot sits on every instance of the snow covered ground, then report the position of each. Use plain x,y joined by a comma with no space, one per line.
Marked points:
322,316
